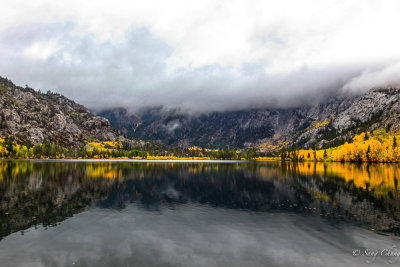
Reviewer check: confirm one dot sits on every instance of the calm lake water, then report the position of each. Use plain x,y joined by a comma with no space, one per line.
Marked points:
110,213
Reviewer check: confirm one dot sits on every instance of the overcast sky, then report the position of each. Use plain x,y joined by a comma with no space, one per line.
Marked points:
200,55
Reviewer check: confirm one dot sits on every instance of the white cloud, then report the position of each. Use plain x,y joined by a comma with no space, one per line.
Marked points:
387,76
40,50
210,49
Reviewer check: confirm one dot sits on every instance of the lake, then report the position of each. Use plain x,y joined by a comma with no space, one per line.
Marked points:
131,213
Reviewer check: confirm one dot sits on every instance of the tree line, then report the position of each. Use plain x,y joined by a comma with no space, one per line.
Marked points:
119,149
378,146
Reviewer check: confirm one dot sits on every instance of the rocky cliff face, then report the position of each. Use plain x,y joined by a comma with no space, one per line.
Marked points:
327,124
30,116
337,121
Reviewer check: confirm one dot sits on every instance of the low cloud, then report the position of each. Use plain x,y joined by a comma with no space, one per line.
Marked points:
387,76
172,126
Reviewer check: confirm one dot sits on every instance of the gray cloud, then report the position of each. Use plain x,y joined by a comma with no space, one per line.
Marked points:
134,73
387,76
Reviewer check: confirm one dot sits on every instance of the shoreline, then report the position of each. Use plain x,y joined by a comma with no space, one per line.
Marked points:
135,160
187,160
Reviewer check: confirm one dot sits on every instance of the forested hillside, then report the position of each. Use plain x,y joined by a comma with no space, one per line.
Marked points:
322,125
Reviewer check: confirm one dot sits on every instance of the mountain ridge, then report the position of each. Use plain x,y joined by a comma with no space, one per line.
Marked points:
32,117
321,125
29,116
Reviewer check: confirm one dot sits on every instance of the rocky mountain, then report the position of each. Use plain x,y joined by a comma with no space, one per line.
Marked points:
29,116
121,119
321,125
175,128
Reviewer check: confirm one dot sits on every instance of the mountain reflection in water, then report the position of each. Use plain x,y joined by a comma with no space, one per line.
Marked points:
41,193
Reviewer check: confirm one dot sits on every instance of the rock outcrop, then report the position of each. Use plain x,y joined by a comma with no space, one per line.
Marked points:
29,116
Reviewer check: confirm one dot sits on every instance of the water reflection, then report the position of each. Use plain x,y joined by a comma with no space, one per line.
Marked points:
45,193
380,178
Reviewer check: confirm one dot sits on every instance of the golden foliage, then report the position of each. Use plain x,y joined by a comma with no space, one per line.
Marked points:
379,146
3,150
319,124
196,148
271,146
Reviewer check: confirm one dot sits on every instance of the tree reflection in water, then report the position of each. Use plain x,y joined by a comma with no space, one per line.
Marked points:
46,193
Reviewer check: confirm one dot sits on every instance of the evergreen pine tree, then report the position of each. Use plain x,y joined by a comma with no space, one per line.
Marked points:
368,153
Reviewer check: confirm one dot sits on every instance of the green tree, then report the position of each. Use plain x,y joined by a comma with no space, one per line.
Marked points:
368,153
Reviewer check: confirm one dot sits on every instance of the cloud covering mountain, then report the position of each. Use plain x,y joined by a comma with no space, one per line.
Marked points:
200,55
